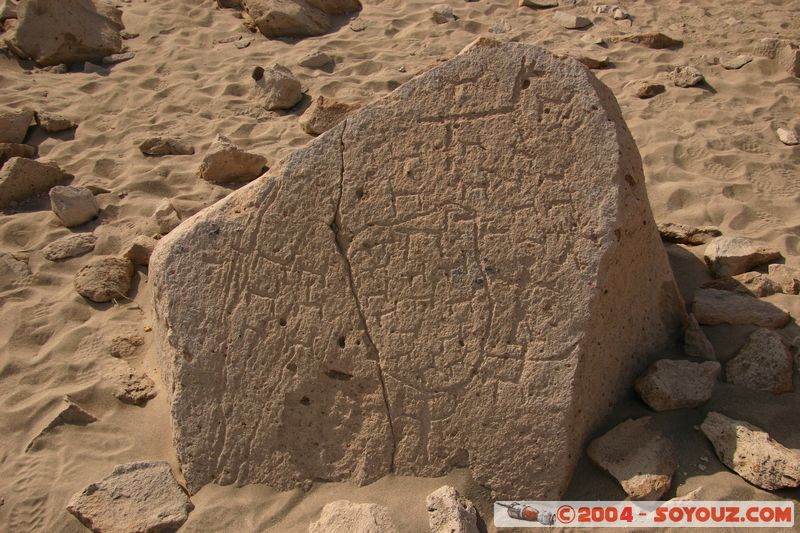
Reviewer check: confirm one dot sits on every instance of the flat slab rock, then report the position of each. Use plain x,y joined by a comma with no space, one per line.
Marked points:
713,306
728,256
343,516
638,456
685,234
750,452
69,246
674,384
395,284
142,497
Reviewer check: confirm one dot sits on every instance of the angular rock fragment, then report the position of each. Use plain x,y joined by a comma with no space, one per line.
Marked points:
785,53
225,162
592,61
763,363
22,178
166,217
324,114
134,387
686,76
695,342
69,246
448,511
71,414
297,18
754,283
442,14
683,234
750,452
140,250
571,22
653,40
787,136
713,306
141,496
393,283
73,205
158,146
278,88
673,384
113,59
343,516
728,256
647,89
104,279
52,123
638,456
9,150
538,4
788,278
52,32
315,59
735,62
14,125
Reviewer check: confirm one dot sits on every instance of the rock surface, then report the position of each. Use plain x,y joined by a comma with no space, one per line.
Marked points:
450,512
134,387
683,234
52,123
763,363
750,452
343,516
686,76
735,62
70,414
638,456
166,217
785,53
674,384
142,497
315,59
297,18
104,279
14,125
21,178
570,21
713,306
324,114
69,246
442,14
158,146
357,263
9,150
52,32
278,88
788,136
225,162
728,256
73,205
695,342
653,40
787,277
140,250
753,283
647,89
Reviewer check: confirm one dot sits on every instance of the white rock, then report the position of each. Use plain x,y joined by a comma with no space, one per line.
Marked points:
763,363
728,256
343,516
73,205
750,452
278,88
448,511
787,136
225,162
713,306
674,384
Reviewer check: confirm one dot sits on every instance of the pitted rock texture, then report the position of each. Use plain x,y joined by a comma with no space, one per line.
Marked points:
459,254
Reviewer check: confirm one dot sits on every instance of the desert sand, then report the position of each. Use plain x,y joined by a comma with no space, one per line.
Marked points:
711,158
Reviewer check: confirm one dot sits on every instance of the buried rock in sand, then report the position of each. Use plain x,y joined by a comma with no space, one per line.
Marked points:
750,452
70,414
324,114
449,511
22,178
104,279
343,516
69,246
141,496
406,230
140,250
134,387
674,384
158,146
297,18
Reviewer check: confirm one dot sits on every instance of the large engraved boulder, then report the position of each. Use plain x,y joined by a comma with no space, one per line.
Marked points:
463,273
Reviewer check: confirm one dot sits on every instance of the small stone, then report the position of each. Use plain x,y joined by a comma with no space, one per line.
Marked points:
638,456
713,306
158,146
165,216
315,59
750,452
787,136
104,279
442,14
118,58
701,467
125,344
686,76
754,283
342,516
684,234
735,62
728,256
70,414
141,496
358,25
500,26
73,205
14,125
591,38
69,246
9,150
601,9
673,384
324,114
279,88
763,363
127,35
97,189
448,511
653,40
22,178
538,4
134,387
618,13
225,162
695,342
52,123
788,278
592,62
140,250
241,45
571,22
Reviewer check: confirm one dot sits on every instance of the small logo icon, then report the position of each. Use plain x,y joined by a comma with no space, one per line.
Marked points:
527,513
566,514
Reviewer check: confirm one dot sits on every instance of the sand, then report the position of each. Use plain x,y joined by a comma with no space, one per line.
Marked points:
711,157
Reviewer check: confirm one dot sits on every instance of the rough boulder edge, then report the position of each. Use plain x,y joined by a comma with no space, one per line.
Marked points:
455,267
